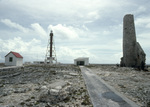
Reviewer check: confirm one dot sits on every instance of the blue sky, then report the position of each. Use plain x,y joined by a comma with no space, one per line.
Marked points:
82,28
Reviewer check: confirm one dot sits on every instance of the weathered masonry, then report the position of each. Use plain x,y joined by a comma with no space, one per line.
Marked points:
133,54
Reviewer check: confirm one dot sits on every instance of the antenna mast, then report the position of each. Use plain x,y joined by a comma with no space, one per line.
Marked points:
50,57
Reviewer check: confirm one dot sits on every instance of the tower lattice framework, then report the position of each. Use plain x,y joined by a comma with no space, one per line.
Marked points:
50,57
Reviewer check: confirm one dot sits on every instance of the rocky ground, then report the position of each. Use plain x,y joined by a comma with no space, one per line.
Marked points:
2,65
132,83
43,86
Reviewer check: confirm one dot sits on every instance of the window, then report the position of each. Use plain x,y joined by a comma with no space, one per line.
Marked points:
10,59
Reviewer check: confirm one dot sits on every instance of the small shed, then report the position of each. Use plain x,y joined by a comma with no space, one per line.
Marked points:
81,61
13,59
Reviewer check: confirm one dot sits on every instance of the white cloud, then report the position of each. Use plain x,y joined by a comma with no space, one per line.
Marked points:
148,25
109,58
64,32
39,30
140,9
93,14
143,22
81,27
14,25
29,49
106,32
79,10
85,28
17,44
144,40
69,54
36,29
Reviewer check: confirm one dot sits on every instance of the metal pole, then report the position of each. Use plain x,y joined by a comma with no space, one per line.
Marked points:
51,43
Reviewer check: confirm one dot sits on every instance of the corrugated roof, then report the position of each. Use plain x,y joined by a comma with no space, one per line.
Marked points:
16,54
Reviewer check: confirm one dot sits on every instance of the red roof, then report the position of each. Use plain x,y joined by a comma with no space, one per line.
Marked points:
16,54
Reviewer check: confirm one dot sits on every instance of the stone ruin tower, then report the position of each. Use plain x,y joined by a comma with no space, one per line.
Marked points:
133,54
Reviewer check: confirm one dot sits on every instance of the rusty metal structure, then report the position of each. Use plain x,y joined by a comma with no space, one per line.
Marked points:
50,57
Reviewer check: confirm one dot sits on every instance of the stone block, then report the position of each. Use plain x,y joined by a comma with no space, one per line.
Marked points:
133,54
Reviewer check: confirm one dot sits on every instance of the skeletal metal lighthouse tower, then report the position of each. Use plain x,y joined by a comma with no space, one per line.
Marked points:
50,57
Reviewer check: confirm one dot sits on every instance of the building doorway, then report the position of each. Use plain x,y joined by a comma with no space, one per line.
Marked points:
80,62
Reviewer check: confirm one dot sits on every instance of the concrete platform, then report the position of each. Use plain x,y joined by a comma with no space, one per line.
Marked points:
101,94
9,67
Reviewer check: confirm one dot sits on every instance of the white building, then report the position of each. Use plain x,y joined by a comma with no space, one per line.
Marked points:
13,59
38,62
81,61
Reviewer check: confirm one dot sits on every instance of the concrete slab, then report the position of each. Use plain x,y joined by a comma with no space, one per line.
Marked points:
102,94
10,67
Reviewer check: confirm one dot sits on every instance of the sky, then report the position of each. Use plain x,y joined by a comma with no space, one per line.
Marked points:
82,28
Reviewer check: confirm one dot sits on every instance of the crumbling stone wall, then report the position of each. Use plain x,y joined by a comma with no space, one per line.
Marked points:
133,54
140,57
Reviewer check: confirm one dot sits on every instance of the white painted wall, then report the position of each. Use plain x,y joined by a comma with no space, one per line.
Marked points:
16,61
19,61
86,61
8,63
